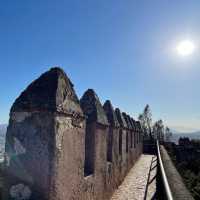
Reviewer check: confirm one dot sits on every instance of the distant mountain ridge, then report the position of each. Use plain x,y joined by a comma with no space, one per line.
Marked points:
192,135
3,128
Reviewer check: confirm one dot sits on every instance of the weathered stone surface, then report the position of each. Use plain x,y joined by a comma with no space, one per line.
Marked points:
131,142
52,91
57,149
128,142
127,120
137,125
133,124
111,115
30,161
46,128
20,192
95,142
138,130
112,178
122,144
120,118
176,183
130,122
113,124
92,108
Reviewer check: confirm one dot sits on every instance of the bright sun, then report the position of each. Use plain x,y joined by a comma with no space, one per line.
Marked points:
185,48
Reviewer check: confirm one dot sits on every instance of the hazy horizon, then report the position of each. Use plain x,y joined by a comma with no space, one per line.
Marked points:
174,130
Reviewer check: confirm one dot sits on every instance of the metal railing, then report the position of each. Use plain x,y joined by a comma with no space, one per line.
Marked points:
166,188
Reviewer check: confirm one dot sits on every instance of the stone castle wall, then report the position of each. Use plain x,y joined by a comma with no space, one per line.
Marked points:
60,148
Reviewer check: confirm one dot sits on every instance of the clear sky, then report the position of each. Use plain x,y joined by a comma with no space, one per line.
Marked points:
125,50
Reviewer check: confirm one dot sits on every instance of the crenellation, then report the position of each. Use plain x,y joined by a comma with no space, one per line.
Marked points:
112,147
60,148
122,143
128,142
111,115
131,143
120,118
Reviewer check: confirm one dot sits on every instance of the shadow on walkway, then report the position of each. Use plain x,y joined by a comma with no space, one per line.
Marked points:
150,191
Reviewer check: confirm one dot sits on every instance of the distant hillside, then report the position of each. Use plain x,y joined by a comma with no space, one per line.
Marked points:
192,135
3,128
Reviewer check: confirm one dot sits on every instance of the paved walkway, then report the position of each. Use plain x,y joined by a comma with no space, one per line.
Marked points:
151,189
135,183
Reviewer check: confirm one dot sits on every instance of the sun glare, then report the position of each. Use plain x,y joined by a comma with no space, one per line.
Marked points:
185,48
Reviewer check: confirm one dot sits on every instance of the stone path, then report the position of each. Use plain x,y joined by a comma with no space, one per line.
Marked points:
151,189
134,185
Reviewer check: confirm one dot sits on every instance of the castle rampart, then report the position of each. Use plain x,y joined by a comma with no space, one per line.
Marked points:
60,148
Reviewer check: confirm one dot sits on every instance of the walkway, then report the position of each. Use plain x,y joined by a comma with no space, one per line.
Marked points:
134,186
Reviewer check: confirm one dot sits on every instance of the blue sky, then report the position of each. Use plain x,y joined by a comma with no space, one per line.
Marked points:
122,49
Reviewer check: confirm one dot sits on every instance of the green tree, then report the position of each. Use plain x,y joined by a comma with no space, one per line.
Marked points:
158,130
168,134
146,121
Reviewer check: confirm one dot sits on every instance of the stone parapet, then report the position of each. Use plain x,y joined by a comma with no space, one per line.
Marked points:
60,148
176,184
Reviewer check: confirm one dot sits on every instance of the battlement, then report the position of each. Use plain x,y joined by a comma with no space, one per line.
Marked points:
60,148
